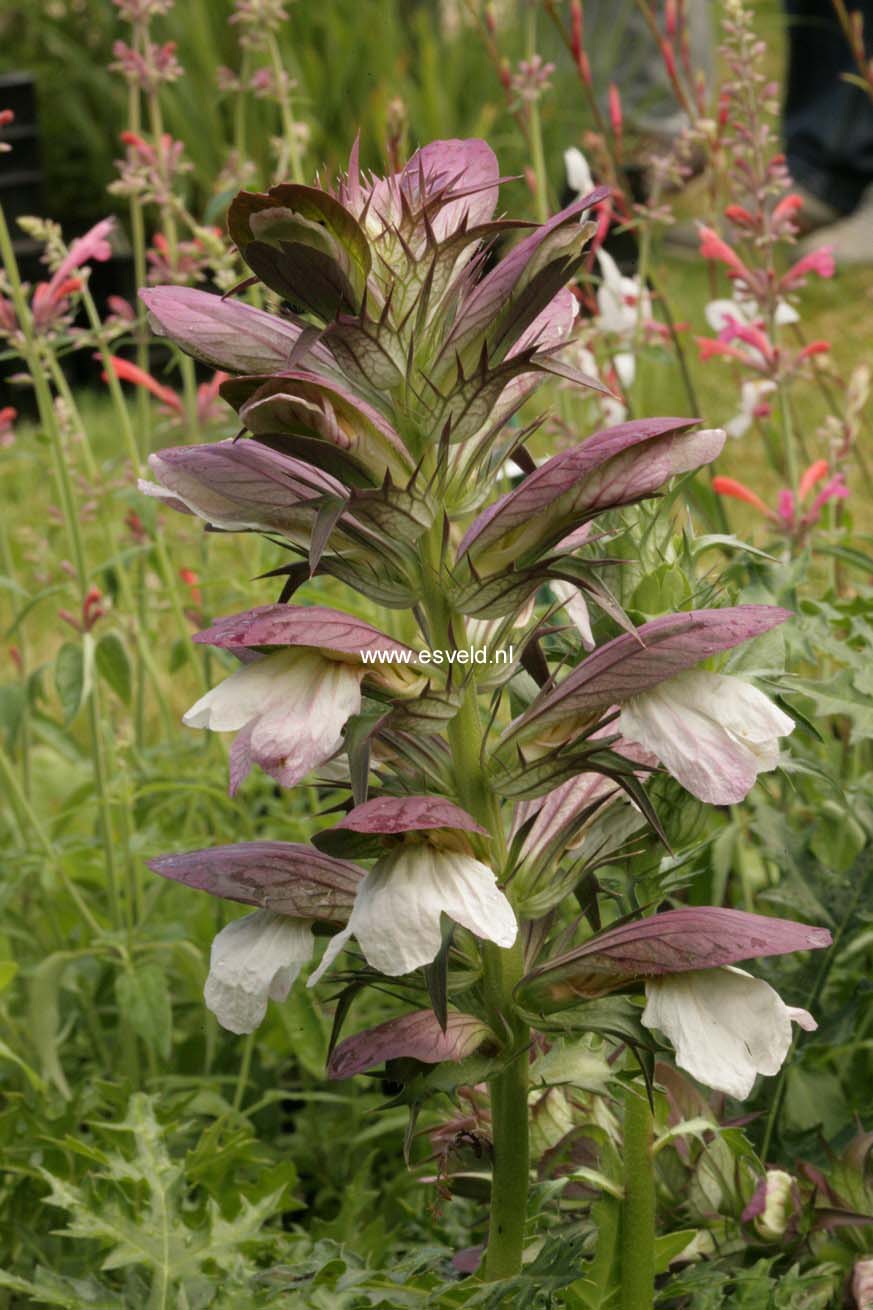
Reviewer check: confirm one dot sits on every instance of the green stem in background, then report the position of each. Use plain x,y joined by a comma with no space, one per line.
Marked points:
143,412
792,471
637,1271
165,567
62,387
240,138
7,562
289,126
189,396
244,1070
538,158
27,818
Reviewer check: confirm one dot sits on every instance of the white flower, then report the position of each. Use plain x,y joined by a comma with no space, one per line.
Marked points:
398,904
720,312
618,303
253,959
578,172
752,396
726,1026
289,710
712,732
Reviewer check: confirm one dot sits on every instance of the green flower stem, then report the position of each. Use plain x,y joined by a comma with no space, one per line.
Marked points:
502,968
289,126
535,129
7,563
510,1170
638,1211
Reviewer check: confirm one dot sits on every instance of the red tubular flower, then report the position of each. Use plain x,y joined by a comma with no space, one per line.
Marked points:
817,261
577,38
739,491
709,347
814,348
616,116
128,372
813,475
739,215
192,582
786,209
669,56
712,246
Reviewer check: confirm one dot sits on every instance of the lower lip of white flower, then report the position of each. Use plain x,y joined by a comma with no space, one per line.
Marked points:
255,959
400,903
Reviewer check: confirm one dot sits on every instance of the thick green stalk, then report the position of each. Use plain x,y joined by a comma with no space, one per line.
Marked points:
638,1210
510,1168
502,968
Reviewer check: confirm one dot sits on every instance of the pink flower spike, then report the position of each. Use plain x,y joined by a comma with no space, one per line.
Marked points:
93,245
750,334
786,507
817,261
813,475
713,247
128,372
836,489
739,491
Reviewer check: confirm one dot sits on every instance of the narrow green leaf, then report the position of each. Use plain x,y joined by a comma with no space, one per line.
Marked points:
113,664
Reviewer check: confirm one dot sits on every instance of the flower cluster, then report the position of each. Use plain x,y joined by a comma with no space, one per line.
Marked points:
376,413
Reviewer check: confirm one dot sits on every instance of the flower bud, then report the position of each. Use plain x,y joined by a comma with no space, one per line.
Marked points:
772,1205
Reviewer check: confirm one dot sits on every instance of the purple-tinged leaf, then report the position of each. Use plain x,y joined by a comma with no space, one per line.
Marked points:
452,184
227,334
369,352
416,1036
487,304
614,467
302,625
308,405
304,244
636,661
285,877
390,814
242,485
699,937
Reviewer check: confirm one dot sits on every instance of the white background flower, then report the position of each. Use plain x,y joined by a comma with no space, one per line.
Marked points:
254,959
396,915
714,733
726,1026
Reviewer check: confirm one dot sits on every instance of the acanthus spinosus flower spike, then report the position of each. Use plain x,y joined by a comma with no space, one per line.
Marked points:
375,412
